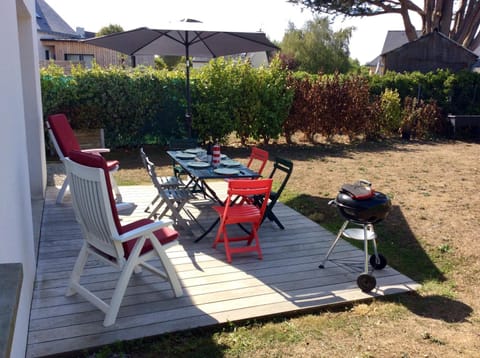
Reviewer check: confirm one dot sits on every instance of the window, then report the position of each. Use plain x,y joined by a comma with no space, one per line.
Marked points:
87,59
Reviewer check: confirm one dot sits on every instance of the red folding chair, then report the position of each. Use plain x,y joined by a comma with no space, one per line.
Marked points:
242,213
258,159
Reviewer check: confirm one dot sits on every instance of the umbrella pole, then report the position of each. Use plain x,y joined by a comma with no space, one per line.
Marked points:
188,114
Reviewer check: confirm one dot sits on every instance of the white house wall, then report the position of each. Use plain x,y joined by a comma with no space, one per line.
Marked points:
20,143
33,107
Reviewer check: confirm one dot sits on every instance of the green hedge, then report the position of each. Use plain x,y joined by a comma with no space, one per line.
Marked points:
233,96
456,93
143,105
134,106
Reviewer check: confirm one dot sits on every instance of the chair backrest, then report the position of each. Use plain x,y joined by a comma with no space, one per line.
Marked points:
150,167
93,202
62,135
258,159
145,161
281,168
249,188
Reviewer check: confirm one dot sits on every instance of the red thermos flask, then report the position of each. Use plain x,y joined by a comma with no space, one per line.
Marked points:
216,155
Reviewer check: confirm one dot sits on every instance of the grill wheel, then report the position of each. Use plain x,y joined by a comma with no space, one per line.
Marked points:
366,282
378,264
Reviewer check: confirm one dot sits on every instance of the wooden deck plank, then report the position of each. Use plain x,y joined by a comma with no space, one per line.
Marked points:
286,280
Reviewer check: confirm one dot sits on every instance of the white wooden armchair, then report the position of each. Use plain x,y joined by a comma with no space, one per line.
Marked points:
127,247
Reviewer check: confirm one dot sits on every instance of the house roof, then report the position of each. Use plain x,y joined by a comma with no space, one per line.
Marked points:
396,39
48,21
425,37
373,62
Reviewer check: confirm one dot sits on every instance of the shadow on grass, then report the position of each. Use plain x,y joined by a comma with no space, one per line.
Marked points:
434,306
130,157
403,252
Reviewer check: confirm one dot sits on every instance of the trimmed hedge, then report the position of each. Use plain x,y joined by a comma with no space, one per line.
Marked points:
144,105
134,106
456,93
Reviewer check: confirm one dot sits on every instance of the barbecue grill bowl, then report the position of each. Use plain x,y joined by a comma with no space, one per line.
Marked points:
366,211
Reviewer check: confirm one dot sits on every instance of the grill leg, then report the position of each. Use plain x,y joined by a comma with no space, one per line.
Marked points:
340,232
365,247
375,250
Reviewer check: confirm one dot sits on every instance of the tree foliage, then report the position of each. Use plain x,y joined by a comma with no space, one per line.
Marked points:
110,29
457,19
316,47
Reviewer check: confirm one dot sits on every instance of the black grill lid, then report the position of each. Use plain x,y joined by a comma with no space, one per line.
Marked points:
362,205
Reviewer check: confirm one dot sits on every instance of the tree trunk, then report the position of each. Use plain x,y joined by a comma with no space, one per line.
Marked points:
410,30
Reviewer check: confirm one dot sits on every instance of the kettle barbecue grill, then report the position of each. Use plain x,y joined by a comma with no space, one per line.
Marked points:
361,206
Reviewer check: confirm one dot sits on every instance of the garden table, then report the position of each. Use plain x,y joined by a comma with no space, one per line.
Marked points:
200,171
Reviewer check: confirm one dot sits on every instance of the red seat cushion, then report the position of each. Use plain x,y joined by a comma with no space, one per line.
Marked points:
164,235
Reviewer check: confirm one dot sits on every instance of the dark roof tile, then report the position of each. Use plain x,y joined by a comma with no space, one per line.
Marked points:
49,21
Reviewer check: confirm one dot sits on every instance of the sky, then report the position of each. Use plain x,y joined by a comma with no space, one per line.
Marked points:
269,16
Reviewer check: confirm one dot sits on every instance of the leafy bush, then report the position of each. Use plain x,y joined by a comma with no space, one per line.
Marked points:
275,101
422,120
212,108
145,105
390,116
465,93
329,105
134,106
456,93
300,111
232,96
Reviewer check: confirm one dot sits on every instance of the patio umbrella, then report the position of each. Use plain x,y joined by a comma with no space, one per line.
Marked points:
189,38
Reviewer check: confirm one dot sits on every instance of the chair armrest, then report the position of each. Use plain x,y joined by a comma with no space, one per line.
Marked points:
146,229
96,150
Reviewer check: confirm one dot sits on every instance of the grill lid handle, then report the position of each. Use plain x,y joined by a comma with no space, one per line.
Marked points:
360,190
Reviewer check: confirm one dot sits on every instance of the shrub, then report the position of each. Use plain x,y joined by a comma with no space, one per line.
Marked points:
329,105
275,98
390,116
212,109
422,120
134,105
145,105
232,96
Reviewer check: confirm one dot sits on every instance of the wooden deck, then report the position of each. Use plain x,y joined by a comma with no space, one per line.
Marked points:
286,280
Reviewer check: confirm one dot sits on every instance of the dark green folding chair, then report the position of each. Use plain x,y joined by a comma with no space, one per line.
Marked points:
281,172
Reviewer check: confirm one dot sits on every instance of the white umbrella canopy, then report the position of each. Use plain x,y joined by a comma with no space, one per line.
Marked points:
188,38
179,42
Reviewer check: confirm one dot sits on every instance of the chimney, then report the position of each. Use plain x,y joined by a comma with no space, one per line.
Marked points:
80,31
